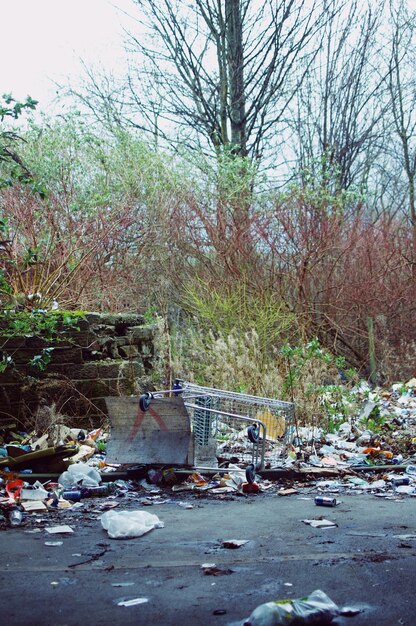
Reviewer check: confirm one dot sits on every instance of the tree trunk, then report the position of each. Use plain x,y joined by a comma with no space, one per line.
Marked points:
235,60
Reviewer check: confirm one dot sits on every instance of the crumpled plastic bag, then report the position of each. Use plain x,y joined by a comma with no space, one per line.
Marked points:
79,475
317,609
126,524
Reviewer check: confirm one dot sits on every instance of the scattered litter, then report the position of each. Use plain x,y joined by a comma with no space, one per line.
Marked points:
37,492
250,488
405,489
79,474
128,524
350,611
317,608
33,505
219,612
287,492
319,523
15,516
234,543
210,569
325,501
400,480
56,530
13,489
405,537
372,451
132,602
378,484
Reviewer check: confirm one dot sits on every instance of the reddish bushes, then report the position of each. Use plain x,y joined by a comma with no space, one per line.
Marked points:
328,262
322,259
337,269
51,253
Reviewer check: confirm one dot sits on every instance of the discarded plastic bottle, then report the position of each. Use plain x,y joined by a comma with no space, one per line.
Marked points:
15,517
101,490
325,501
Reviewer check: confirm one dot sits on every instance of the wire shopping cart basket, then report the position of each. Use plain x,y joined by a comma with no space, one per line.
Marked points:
229,424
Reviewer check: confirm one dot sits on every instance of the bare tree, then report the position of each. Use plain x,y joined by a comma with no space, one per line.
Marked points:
340,106
402,88
224,70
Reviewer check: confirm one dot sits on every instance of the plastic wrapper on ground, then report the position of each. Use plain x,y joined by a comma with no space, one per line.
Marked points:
317,609
129,524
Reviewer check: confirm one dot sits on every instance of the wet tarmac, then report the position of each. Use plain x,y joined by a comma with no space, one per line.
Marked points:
365,559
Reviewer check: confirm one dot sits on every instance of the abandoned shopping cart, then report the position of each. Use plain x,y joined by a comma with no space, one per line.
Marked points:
198,427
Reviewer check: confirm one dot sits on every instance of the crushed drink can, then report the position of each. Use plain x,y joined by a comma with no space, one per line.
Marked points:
71,494
401,481
325,501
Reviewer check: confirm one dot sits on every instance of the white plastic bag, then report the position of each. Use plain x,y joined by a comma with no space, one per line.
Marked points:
79,475
316,609
125,524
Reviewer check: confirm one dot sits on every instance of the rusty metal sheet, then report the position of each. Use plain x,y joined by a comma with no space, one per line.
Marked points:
160,435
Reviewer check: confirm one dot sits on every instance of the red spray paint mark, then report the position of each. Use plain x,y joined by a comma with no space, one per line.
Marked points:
139,421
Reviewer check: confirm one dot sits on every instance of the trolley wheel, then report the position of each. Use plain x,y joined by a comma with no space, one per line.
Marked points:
144,401
250,473
253,433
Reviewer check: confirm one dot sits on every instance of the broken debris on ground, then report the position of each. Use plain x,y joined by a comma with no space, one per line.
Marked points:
374,453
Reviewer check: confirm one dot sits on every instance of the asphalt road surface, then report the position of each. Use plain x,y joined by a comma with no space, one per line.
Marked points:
85,578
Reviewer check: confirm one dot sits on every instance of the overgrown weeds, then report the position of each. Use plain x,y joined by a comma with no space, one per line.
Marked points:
318,383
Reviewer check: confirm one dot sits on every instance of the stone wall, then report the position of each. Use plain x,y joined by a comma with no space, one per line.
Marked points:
107,355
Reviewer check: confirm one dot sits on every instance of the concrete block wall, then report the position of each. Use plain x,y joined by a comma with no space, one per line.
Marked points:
107,355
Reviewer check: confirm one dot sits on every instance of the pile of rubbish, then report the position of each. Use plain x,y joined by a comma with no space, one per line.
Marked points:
373,451
62,452
47,452
382,432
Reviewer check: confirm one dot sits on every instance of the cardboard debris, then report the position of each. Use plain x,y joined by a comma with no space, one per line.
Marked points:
34,505
287,492
319,523
56,530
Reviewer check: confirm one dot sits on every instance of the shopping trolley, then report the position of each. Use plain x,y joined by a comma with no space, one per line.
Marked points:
229,424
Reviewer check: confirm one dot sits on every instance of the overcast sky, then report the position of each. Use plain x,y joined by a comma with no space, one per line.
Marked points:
43,40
